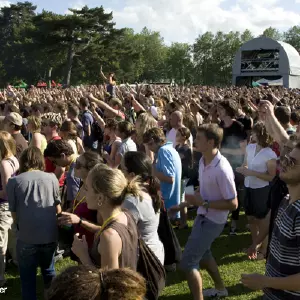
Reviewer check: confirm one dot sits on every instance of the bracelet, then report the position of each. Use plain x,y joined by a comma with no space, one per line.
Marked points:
206,205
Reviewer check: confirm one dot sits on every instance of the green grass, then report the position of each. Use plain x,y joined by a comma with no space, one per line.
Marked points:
227,251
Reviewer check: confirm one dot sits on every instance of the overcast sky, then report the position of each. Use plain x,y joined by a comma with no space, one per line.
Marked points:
184,20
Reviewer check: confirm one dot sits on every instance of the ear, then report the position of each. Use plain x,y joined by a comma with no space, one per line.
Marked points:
211,143
63,156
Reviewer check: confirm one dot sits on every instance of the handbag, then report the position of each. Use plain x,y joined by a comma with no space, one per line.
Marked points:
169,239
152,270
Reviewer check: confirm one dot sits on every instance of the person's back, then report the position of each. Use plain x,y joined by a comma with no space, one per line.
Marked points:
169,163
127,145
129,237
21,143
33,196
147,222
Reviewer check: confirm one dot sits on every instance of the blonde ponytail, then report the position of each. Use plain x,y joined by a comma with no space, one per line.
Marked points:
133,187
113,184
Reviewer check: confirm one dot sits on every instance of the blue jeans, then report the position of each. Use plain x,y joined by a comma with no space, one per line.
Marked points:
30,257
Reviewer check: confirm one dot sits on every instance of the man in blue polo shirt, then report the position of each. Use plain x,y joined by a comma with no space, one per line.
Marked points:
166,166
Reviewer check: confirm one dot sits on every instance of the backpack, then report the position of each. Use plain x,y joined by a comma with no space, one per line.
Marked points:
152,270
97,133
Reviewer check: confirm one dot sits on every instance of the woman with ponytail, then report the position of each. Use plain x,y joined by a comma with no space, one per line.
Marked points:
144,206
116,243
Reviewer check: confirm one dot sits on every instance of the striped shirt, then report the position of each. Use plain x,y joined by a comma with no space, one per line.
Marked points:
284,257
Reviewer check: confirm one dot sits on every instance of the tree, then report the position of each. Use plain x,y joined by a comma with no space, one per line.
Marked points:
213,55
178,63
292,36
73,34
202,50
272,33
151,45
15,56
246,36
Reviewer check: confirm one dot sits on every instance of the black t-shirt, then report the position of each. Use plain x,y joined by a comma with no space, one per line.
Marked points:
232,137
185,154
278,192
246,121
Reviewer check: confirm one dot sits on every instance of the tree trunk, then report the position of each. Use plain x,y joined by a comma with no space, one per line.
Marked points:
71,54
50,77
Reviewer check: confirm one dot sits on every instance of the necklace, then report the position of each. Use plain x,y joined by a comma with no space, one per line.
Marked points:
106,222
76,204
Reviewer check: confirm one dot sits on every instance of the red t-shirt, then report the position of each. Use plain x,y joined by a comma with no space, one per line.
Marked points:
50,166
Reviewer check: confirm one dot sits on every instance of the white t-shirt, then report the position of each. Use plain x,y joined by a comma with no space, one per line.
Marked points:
258,163
126,146
171,137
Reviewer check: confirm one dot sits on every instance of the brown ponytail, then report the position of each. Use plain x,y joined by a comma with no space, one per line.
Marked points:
81,282
133,187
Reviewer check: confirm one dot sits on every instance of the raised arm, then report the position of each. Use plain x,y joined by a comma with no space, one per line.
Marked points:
276,130
102,74
104,105
96,116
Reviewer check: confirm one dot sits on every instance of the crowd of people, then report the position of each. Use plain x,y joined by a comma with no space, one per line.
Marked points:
88,171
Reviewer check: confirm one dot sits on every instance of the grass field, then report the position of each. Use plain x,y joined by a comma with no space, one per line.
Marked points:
226,249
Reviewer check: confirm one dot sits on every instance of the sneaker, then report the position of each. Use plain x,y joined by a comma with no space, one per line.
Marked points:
58,257
215,293
232,231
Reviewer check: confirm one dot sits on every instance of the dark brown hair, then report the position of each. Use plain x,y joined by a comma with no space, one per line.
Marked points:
70,128
156,134
32,158
125,128
73,110
111,124
141,165
283,114
230,106
57,148
81,282
185,132
84,102
212,132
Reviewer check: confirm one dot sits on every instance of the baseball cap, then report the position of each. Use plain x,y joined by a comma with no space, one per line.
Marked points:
14,118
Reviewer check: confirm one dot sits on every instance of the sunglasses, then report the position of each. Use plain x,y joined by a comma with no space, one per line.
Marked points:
287,162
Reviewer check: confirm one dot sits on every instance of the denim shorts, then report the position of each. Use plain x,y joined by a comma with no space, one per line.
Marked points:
198,246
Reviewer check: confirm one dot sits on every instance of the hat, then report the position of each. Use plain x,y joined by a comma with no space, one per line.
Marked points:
14,118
